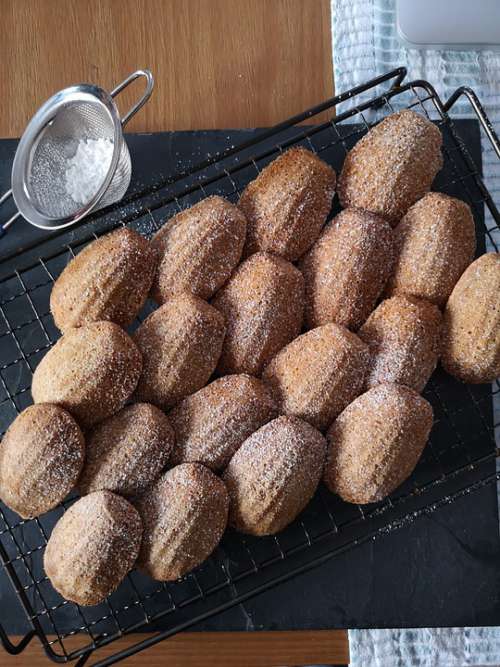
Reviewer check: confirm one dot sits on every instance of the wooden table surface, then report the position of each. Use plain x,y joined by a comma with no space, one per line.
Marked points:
217,64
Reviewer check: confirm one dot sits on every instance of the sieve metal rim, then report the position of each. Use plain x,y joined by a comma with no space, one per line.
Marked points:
22,158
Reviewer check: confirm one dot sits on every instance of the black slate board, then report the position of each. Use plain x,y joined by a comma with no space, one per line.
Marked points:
442,570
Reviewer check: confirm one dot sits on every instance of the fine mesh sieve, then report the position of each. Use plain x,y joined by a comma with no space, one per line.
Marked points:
75,115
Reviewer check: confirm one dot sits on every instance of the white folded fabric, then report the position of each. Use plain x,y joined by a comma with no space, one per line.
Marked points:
441,647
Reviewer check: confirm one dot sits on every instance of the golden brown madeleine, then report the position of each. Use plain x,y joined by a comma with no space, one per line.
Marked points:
263,305
198,249
376,442
435,242
470,345
180,343
318,374
91,371
347,268
128,451
108,280
92,547
41,457
211,424
403,336
184,516
273,475
392,166
287,204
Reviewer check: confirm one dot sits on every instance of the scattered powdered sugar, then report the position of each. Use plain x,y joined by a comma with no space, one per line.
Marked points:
273,464
347,268
92,547
87,169
287,204
41,458
181,343
435,242
471,323
108,280
91,371
316,375
274,474
184,516
392,166
263,306
376,442
211,424
127,452
403,336
199,249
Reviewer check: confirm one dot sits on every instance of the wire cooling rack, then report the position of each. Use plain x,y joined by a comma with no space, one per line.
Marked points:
459,458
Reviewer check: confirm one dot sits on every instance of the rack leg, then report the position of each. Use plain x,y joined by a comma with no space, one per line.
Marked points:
14,649
83,660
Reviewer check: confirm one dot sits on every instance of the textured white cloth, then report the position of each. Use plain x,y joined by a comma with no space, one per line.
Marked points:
437,647
365,44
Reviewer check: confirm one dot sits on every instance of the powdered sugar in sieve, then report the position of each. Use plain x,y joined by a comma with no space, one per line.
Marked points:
87,169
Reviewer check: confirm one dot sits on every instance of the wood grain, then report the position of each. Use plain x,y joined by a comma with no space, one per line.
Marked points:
218,649
217,63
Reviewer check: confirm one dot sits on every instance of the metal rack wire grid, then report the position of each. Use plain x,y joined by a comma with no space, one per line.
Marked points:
459,457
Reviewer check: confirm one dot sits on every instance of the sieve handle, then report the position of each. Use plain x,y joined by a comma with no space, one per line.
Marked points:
6,225
145,97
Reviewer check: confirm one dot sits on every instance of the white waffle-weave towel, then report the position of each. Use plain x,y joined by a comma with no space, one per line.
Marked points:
365,44
425,647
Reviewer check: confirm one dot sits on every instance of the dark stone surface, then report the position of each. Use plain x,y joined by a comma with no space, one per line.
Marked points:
441,570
